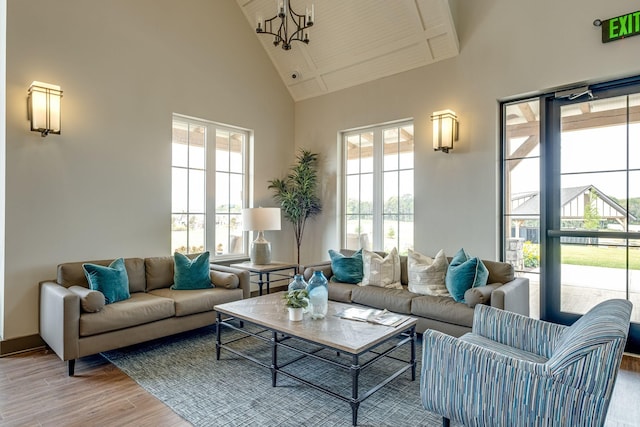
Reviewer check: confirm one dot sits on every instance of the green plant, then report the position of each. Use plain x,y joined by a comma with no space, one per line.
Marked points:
531,254
297,298
296,194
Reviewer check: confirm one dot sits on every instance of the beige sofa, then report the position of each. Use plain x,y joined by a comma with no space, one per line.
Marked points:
441,313
72,328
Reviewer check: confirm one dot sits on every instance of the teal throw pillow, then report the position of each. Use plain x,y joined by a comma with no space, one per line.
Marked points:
191,274
111,281
464,273
346,269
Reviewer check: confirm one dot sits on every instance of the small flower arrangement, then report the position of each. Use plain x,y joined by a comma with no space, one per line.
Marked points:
297,298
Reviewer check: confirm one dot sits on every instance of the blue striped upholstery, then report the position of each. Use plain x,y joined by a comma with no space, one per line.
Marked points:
515,371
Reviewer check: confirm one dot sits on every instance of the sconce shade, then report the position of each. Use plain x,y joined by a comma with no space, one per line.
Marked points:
260,219
445,130
44,108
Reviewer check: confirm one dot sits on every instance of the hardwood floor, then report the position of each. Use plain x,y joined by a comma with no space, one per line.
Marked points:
36,391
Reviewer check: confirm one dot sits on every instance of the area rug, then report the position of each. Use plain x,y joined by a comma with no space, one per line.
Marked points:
182,371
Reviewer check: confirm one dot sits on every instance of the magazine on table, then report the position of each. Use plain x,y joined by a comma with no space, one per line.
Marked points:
372,315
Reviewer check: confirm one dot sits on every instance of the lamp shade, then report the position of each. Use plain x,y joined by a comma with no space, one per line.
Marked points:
261,219
445,130
44,108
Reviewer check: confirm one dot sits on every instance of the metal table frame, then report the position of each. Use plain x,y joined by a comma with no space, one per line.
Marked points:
277,339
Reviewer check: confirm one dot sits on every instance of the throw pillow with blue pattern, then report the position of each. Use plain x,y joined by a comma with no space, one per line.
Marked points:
465,272
189,274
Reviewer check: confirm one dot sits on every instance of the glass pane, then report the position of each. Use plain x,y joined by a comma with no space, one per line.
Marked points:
522,186
179,146
235,193
179,233
406,147
196,191
405,234
222,150
391,148
197,136
366,194
236,152
634,278
352,154
353,194
366,152
236,240
222,234
179,190
222,192
406,192
365,232
196,233
634,201
634,133
590,201
522,129
592,270
390,232
390,196
353,233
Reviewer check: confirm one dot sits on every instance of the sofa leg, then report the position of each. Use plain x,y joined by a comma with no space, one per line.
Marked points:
445,422
71,365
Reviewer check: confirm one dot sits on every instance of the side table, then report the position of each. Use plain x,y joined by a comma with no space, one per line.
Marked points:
265,271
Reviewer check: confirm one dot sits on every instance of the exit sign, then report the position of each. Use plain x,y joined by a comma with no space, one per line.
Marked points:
621,27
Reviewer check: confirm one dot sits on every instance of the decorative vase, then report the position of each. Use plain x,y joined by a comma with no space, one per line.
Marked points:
295,314
318,290
297,283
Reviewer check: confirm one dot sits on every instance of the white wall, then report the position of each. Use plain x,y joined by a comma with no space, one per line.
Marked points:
102,189
508,48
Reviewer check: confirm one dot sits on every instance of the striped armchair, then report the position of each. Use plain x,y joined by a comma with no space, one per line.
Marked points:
512,370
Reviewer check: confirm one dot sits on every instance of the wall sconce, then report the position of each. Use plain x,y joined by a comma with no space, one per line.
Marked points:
445,130
43,105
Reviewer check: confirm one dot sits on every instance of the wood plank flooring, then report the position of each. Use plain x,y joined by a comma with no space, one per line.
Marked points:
36,391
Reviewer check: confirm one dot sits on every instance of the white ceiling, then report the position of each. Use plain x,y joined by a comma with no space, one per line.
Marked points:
356,41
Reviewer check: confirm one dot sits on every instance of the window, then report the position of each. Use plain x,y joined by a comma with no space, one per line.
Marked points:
207,201
378,188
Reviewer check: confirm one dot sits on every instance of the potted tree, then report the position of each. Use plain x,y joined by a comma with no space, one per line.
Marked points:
296,194
296,301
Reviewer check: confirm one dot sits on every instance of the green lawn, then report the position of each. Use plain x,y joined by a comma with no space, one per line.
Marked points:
610,257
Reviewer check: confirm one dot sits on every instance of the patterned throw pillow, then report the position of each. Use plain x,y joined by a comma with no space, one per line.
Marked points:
464,273
346,269
426,274
191,274
378,271
112,281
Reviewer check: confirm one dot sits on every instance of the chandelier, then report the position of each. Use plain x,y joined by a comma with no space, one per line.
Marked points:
288,30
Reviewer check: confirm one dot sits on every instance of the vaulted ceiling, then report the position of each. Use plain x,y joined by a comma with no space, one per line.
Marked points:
357,41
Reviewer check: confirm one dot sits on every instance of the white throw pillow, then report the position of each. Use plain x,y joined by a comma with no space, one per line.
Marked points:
378,271
426,274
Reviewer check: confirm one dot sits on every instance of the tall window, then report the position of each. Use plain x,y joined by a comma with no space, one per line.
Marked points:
209,164
378,187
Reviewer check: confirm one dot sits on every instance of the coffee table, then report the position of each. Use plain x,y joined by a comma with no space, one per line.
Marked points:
343,336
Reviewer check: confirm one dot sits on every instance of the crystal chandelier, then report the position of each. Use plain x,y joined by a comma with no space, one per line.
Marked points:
288,30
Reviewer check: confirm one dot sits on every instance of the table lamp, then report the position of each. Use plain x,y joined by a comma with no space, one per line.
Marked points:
260,219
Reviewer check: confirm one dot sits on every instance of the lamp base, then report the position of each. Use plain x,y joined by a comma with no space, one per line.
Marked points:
260,252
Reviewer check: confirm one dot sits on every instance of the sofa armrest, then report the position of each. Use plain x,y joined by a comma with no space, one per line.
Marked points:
512,296
324,266
60,319
244,278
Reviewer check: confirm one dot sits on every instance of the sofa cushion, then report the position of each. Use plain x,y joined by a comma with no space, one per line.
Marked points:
141,308
443,309
222,279
339,291
191,273
90,301
396,300
379,271
72,273
112,280
480,294
159,272
347,269
426,274
198,300
464,273
499,272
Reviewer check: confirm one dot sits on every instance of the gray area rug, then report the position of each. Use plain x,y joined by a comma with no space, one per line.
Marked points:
182,371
